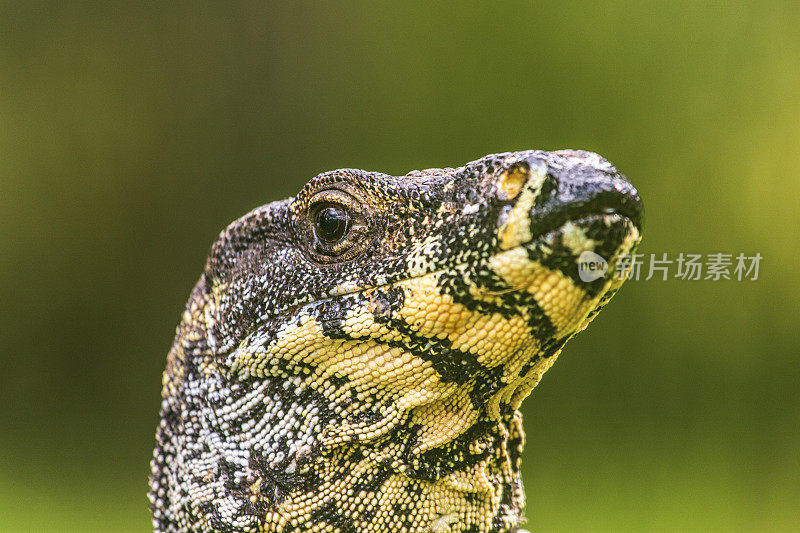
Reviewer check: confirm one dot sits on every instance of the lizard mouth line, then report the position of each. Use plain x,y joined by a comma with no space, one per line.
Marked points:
610,207
610,218
351,290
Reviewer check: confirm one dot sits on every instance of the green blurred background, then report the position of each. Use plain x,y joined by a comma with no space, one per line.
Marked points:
131,134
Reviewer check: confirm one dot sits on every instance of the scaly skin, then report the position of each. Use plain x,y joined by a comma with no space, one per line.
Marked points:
367,376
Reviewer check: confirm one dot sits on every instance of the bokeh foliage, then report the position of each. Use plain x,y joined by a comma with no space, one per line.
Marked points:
131,133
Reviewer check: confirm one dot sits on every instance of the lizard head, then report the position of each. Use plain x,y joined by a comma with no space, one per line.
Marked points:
408,316
453,279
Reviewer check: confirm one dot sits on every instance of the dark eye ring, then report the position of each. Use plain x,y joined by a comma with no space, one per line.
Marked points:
331,223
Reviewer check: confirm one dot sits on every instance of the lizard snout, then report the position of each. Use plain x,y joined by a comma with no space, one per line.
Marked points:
545,191
579,185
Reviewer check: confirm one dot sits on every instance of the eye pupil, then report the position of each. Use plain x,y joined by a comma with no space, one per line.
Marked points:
332,223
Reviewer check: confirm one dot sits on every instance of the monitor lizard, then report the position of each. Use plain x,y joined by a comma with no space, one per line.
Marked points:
354,358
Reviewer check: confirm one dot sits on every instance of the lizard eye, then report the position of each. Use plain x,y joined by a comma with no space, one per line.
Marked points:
335,225
331,223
